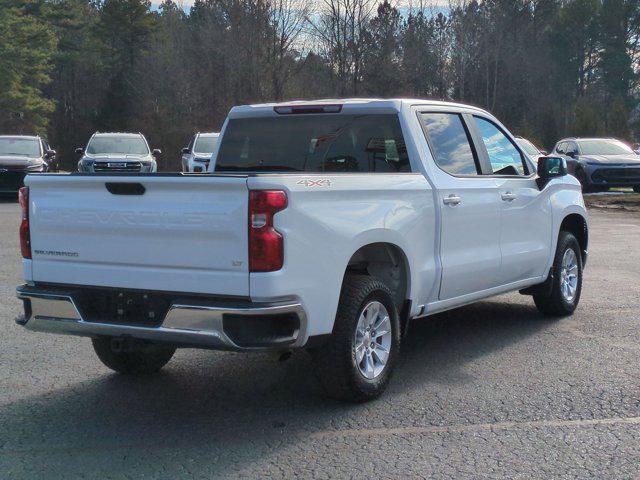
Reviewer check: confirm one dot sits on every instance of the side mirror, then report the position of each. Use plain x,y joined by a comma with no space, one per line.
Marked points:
544,152
157,152
548,168
51,154
186,151
79,150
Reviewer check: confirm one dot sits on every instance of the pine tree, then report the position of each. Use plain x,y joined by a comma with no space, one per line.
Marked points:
123,28
382,52
26,51
78,80
615,39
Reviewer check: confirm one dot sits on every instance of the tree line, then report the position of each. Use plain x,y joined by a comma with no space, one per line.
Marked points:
546,68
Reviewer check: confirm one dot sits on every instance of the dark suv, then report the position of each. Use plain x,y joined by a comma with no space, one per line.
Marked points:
600,163
22,154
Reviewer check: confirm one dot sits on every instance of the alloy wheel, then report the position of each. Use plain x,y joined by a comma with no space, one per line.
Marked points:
569,275
372,342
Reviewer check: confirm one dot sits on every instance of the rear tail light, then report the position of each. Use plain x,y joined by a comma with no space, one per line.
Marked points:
266,245
25,234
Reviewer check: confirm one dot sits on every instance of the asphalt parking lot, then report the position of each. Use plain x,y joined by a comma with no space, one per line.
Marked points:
492,390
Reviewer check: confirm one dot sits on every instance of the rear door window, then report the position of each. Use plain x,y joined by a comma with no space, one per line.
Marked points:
314,143
450,143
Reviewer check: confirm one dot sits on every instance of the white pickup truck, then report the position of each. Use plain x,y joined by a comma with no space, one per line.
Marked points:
327,225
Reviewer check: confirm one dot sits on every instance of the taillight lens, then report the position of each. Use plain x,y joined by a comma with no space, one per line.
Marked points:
25,235
266,245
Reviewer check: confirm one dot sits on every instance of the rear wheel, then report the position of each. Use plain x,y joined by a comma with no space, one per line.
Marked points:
357,362
131,356
636,188
566,283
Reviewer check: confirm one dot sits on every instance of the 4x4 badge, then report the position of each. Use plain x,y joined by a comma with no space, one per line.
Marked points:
312,182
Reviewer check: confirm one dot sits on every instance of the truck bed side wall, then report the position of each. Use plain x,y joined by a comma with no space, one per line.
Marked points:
329,218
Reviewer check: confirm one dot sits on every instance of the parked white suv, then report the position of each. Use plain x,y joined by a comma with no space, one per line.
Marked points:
327,225
196,157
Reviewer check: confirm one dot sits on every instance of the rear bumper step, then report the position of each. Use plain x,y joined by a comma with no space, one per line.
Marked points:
268,326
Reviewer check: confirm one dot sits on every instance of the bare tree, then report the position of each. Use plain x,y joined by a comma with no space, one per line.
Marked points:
339,31
288,20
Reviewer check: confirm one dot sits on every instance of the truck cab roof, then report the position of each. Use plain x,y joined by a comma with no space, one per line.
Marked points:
346,105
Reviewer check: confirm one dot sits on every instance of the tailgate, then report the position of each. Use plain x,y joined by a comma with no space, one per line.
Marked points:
183,234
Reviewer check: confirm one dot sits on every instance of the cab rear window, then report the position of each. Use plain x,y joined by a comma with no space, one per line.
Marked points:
314,143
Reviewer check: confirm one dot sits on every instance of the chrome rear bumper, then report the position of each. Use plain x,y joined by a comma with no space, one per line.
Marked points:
185,325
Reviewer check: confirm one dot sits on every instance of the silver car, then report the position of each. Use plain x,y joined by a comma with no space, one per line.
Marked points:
118,152
196,157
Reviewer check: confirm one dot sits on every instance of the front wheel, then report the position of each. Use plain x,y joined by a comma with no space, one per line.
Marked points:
566,281
581,175
636,188
357,362
129,356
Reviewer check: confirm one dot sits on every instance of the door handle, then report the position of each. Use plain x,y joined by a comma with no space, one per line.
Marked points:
452,199
508,196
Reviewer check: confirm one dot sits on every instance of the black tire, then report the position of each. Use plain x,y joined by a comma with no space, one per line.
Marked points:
130,356
636,188
556,304
335,361
582,178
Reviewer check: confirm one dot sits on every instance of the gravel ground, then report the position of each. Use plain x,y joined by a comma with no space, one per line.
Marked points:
491,390
614,200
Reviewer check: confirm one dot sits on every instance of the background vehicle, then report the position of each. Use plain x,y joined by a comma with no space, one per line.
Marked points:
196,157
600,163
22,154
530,149
117,152
325,225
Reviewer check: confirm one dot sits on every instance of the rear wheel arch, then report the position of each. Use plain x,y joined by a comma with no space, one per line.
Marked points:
388,263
